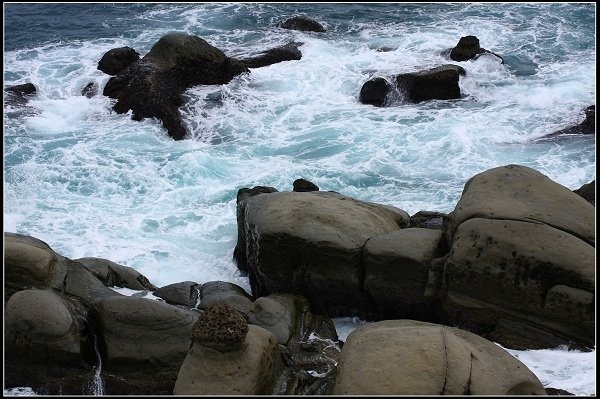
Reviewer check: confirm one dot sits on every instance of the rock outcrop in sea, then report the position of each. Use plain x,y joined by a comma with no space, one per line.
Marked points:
301,23
440,83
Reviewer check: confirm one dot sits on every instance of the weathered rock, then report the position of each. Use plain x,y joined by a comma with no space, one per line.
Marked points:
406,357
28,263
117,59
220,327
509,271
303,185
439,83
301,23
90,90
74,279
144,344
520,193
152,87
114,275
46,343
397,270
427,220
273,315
243,194
214,292
186,293
310,243
588,192
287,52
253,369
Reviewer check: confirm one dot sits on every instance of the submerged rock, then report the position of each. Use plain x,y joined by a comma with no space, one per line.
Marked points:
301,23
588,126
90,90
18,95
287,52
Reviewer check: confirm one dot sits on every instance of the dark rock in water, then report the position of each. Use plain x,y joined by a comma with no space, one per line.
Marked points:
185,293
588,192
558,391
287,52
466,49
239,253
152,86
23,90
439,83
375,91
117,59
220,327
303,185
301,23
90,90
17,95
588,126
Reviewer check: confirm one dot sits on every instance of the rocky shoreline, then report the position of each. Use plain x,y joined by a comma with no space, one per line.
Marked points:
513,264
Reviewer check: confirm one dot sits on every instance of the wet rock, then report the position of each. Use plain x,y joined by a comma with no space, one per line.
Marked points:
588,126
186,293
243,195
22,90
117,59
152,86
287,52
18,95
90,90
427,220
214,292
220,327
439,83
466,49
303,185
301,23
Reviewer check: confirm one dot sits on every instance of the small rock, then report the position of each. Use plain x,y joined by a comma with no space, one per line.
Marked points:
303,185
90,90
301,23
220,327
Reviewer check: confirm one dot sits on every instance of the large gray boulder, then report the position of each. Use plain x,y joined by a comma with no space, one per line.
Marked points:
186,293
252,369
310,243
152,86
397,268
521,266
406,357
138,331
214,292
515,192
47,344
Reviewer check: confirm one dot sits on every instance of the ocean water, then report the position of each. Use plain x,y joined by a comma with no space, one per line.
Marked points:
90,182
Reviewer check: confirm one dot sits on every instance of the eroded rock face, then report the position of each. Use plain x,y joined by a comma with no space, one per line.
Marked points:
220,327
252,369
301,23
521,264
406,357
